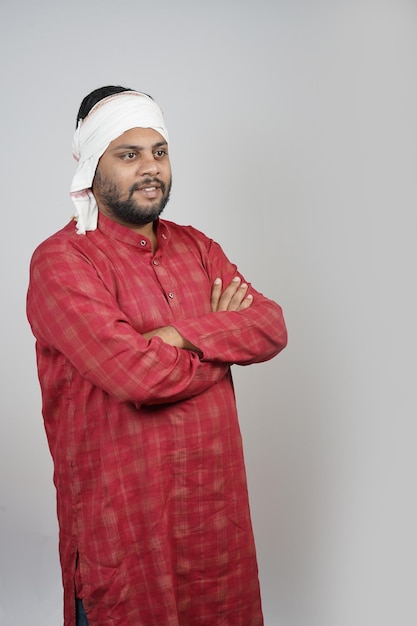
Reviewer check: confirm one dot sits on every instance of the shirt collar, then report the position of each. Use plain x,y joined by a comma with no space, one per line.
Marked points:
122,233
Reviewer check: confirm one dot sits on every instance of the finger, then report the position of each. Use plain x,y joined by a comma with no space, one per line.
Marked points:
238,297
246,303
228,294
216,292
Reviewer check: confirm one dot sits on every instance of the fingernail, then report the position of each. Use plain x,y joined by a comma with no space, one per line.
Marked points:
236,279
217,281
249,297
243,286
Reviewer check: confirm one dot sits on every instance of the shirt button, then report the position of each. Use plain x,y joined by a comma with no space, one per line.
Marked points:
164,236
143,242
155,262
170,295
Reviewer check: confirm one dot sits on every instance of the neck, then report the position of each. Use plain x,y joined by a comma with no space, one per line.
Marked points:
147,230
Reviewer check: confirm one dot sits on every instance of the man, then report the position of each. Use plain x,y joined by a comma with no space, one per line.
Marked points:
137,321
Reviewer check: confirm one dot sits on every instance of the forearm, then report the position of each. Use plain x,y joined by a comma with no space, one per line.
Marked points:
172,337
162,374
243,337
242,328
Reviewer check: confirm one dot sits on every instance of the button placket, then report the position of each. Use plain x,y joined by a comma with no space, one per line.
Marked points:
164,280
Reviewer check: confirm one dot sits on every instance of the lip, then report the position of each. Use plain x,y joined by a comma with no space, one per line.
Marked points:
148,187
149,191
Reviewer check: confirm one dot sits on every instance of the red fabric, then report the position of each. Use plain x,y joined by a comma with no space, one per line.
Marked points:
148,465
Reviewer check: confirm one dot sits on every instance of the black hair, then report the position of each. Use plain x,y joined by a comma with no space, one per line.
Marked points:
97,95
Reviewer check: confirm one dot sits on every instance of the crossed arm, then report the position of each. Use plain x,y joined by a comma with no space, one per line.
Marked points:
232,298
72,313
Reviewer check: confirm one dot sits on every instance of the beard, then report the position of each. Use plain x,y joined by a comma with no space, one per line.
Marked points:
130,211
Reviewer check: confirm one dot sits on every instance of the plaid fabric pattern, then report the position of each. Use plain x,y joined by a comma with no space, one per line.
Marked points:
152,501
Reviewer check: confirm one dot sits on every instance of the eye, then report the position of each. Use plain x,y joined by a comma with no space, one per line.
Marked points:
159,154
128,156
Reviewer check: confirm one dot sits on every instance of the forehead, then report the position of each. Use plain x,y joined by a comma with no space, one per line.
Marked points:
140,137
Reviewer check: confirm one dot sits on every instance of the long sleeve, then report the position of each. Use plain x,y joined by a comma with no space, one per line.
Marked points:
250,336
73,313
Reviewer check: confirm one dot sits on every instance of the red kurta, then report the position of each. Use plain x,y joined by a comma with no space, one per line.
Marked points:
152,500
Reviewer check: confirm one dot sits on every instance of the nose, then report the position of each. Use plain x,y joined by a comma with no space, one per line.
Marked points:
148,165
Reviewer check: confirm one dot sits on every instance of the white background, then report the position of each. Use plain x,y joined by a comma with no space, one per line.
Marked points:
293,143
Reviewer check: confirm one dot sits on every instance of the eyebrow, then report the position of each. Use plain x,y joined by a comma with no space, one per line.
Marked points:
125,146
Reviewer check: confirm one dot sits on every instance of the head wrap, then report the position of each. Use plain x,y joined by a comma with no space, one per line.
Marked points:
107,120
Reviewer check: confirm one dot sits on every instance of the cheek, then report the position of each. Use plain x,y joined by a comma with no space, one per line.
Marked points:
115,176
166,171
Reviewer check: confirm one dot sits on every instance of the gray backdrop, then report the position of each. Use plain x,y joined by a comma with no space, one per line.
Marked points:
293,142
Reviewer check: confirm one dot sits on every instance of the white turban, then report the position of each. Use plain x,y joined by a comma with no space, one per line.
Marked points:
107,120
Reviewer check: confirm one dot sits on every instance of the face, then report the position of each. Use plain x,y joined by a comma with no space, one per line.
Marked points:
133,178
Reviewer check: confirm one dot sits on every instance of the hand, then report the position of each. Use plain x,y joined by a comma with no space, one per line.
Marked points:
233,298
172,337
